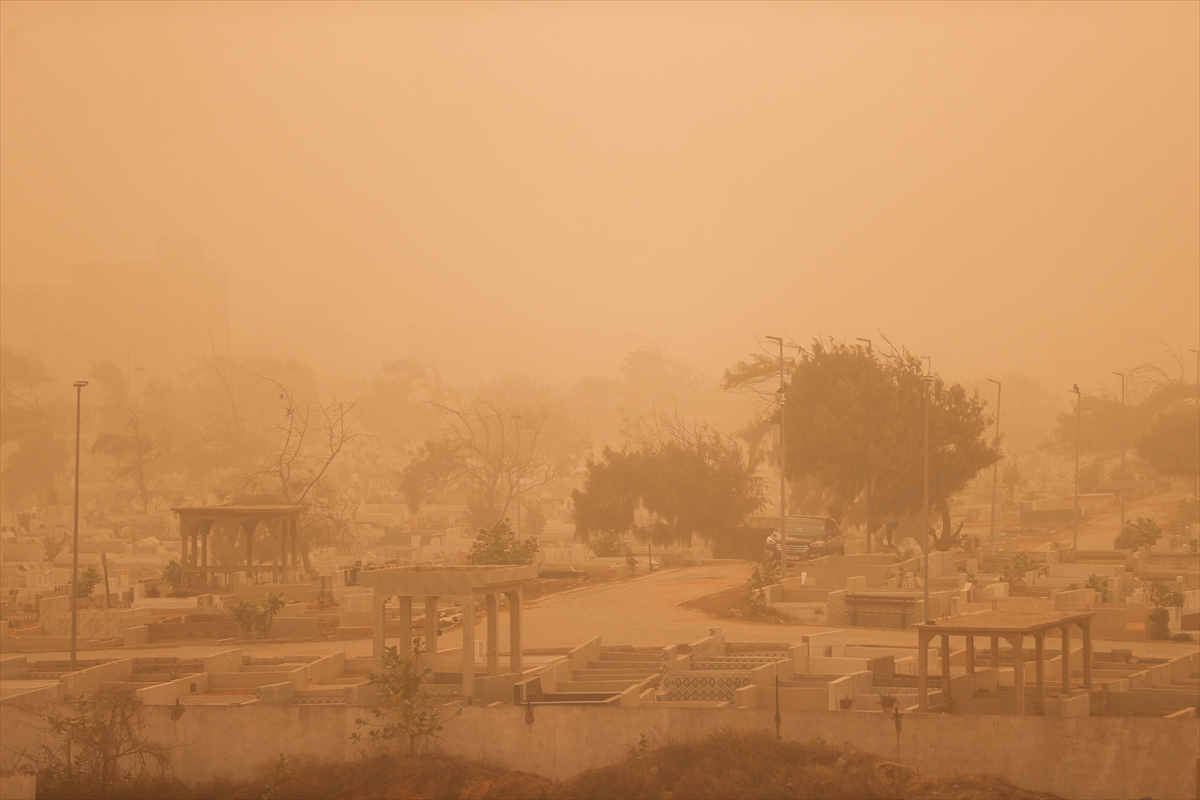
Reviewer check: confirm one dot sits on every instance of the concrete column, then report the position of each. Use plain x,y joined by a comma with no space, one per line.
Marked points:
996,653
431,629
406,638
205,551
1066,671
515,663
493,635
922,671
945,659
378,627
1018,674
970,654
1087,653
250,553
1039,650
295,547
468,647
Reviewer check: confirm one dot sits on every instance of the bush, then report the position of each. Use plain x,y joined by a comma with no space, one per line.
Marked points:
403,710
1017,566
607,544
251,618
744,542
87,582
1136,533
498,545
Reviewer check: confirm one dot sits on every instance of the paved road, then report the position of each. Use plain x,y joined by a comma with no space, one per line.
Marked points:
642,611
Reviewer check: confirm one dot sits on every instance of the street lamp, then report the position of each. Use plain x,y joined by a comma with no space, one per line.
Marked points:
75,549
925,381
517,464
1122,375
870,537
1196,482
782,469
996,466
1078,412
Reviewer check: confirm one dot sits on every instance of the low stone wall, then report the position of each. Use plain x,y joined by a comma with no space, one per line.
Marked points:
1075,757
96,624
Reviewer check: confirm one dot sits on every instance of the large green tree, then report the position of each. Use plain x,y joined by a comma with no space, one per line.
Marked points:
692,481
855,417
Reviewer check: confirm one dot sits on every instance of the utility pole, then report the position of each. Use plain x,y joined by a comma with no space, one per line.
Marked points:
1078,412
1122,375
996,466
925,505
1196,481
782,469
75,547
870,465
517,464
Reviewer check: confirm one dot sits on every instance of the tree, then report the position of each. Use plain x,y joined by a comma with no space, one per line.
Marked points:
534,521
1163,596
87,582
693,481
53,545
403,710
497,544
1137,532
854,417
485,452
1171,446
251,618
134,433
32,430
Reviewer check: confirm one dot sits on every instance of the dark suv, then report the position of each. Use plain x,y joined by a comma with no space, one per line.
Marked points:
808,537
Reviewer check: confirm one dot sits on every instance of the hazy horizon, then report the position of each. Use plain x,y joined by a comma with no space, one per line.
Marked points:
532,189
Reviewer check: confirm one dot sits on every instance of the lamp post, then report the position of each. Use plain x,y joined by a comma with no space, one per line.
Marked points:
1196,481
870,476
1075,515
1122,375
996,466
517,464
782,469
925,380
75,546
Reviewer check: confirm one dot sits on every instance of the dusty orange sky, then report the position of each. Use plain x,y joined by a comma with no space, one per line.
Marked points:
541,187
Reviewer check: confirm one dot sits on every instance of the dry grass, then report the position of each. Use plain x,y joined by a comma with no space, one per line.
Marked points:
727,764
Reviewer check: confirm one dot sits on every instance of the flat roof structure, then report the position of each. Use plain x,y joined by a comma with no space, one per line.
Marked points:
433,582
1013,627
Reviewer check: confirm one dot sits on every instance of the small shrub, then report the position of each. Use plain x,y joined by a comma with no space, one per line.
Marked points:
498,545
1017,566
251,618
403,710
1137,532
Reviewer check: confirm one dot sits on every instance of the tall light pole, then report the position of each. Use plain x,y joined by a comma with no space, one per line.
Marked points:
1196,482
75,548
925,381
870,475
1122,375
782,469
517,464
1078,412
996,466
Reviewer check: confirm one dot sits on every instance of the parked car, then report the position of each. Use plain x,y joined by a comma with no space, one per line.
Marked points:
809,537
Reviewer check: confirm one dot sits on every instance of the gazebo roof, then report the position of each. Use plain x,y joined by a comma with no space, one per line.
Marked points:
1002,623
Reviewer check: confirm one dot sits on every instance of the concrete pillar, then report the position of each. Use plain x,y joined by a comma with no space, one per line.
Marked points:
205,552
431,629
922,671
468,648
1018,674
515,663
250,552
1039,654
970,654
945,659
493,634
378,628
295,545
1066,665
406,638
996,653
1087,653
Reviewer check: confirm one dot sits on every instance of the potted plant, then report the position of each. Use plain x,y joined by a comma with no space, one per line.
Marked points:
887,702
846,703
